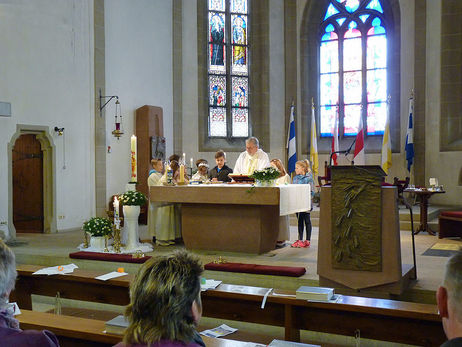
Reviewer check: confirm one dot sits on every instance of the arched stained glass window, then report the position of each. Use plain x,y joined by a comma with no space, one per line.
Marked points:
353,67
228,68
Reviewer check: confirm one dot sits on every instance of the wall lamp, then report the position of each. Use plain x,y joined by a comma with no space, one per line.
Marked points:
118,128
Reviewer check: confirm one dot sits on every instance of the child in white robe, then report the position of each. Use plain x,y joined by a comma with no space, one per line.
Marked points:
284,226
202,173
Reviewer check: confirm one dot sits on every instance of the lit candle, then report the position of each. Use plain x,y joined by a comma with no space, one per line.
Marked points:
191,163
133,158
116,210
184,158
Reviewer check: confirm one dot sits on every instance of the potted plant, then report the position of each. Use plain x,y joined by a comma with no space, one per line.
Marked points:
266,177
97,228
131,201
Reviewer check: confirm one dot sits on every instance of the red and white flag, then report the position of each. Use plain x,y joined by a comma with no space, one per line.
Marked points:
335,140
359,157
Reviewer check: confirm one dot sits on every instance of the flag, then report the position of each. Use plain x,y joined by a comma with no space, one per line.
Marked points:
359,157
291,144
335,139
314,144
410,136
386,143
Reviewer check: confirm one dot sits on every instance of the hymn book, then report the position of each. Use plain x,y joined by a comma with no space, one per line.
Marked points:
117,325
315,293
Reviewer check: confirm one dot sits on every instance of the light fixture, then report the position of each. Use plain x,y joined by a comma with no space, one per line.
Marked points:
118,127
59,131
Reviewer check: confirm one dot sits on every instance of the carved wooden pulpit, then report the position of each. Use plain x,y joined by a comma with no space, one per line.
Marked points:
359,237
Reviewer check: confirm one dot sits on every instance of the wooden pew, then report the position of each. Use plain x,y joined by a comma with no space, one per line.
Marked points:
76,331
380,319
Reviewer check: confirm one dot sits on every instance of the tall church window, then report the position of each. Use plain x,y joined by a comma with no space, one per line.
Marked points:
353,71
228,68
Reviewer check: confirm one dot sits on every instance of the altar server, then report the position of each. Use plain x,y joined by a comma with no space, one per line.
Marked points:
252,159
284,226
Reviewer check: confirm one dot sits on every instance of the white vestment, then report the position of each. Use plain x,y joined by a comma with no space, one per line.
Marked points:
247,164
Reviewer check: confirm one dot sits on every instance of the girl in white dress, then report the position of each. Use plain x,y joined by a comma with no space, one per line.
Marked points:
284,227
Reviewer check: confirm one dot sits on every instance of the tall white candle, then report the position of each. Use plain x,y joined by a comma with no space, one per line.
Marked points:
133,158
191,163
184,158
116,210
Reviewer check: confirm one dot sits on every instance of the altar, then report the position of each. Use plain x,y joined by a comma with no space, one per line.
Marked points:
234,218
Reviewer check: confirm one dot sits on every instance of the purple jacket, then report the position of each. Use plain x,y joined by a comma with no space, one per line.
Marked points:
25,338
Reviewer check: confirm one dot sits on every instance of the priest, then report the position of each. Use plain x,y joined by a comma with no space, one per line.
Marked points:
252,159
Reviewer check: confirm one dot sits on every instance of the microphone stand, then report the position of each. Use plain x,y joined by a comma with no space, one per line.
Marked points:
346,152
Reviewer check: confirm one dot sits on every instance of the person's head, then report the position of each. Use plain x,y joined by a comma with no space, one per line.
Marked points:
174,157
252,145
202,166
165,300
220,158
277,164
449,297
7,273
157,164
302,167
174,166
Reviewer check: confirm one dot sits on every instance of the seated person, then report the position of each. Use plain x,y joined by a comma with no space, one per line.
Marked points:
449,300
221,171
10,333
165,303
202,171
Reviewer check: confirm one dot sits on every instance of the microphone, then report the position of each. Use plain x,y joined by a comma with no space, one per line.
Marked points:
349,149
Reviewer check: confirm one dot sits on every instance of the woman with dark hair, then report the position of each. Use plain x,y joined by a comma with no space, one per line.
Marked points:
165,304
10,333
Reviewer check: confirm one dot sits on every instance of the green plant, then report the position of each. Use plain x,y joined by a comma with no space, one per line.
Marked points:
267,174
98,226
132,198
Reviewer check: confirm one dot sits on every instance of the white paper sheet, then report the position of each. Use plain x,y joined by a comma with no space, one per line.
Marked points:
56,270
210,284
110,275
220,331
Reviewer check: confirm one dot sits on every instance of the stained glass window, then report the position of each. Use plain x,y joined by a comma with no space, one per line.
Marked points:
228,68
353,71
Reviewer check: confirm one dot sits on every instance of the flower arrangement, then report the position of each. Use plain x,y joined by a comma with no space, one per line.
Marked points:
132,198
98,226
267,174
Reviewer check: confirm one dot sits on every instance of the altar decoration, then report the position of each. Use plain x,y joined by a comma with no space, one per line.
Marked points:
133,159
131,201
98,228
266,177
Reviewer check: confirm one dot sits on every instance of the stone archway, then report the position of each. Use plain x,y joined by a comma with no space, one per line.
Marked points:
49,181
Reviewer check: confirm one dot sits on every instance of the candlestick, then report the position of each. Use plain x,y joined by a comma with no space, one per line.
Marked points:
133,158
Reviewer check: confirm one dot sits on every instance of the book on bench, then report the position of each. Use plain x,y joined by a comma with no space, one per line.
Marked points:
315,293
117,325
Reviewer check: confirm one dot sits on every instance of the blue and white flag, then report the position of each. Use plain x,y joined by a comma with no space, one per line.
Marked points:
410,136
291,144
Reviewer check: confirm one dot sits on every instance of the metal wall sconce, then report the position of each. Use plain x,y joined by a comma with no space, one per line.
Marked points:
59,131
118,128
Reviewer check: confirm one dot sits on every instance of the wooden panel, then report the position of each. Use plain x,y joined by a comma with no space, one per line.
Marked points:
233,228
149,122
27,185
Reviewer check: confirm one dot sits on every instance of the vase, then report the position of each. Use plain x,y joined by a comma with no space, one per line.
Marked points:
130,235
97,242
265,183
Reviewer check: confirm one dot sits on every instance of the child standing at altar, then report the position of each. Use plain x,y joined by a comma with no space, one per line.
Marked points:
154,179
303,176
202,173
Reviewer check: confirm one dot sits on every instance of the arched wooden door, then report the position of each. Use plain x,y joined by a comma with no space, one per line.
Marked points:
27,185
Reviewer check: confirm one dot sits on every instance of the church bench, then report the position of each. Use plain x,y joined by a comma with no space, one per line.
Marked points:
380,319
76,331
450,224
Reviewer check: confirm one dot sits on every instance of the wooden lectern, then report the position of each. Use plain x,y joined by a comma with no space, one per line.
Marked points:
359,236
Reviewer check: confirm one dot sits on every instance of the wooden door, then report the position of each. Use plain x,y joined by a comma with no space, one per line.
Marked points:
27,185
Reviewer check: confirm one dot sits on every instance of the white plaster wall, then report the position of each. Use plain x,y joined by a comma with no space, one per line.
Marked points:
47,74
139,70
443,165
